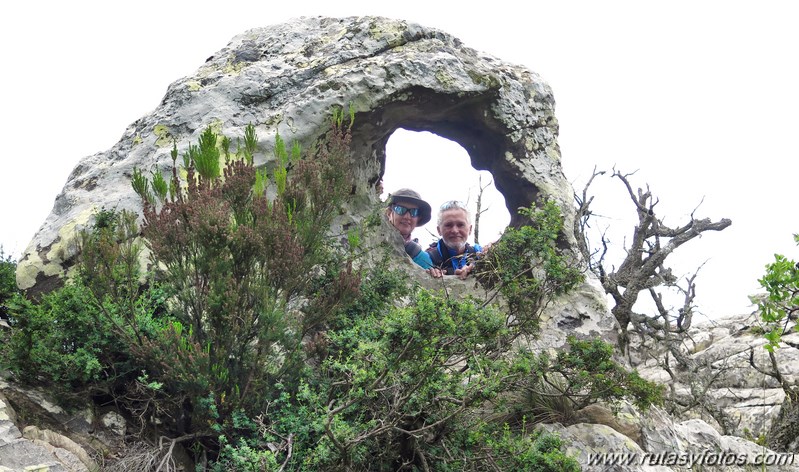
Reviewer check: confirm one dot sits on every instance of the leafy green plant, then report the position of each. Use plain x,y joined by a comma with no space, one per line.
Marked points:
8,282
781,305
249,276
528,268
590,374
71,338
506,449
778,311
582,374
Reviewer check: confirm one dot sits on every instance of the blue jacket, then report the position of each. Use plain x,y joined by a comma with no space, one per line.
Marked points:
445,259
421,258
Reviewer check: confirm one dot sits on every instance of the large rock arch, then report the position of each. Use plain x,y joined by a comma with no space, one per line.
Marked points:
462,120
287,78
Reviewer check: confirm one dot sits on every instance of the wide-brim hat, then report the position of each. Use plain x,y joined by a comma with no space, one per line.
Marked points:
408,195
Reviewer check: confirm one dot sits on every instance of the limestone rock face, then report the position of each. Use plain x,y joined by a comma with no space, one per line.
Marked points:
287,78
750,399
35,449
665,444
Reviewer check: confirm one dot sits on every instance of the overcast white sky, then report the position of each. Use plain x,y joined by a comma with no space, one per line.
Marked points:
700,97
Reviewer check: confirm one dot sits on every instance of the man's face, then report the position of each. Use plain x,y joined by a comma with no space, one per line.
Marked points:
404,223
454,229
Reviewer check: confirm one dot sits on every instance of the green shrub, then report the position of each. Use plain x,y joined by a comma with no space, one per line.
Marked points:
74,339
249,276
781,304
394,385
244,458
62,341
254,339
8,281
528,268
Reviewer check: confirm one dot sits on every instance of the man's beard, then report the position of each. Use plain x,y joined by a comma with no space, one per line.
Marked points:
457,247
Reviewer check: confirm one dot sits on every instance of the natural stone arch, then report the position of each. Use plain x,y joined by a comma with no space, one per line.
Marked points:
459,119
440,169
287,78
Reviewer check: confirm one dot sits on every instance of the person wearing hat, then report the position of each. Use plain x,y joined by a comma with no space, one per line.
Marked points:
407,211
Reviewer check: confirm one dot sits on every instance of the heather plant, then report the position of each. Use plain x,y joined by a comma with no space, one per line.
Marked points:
249,276
254,339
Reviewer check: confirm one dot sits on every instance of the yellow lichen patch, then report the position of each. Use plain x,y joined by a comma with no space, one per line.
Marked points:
483,79
66,246
391,32
194,86
136,139
28,269
216,127
163,136
445,79
531,145
553,153
234,68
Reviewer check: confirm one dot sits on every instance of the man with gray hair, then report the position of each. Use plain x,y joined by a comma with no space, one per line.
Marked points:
452,254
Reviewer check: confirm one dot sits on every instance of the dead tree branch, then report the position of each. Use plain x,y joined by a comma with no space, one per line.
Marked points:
643,267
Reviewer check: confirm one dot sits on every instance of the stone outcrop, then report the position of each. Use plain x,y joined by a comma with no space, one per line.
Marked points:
42,449
286,79
748,398
661,444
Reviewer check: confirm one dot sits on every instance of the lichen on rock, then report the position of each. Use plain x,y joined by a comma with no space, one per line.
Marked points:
287,78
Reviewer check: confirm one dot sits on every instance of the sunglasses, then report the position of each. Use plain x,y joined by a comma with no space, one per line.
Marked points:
401,210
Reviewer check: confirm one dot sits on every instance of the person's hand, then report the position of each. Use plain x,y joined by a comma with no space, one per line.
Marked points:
463,272
435,272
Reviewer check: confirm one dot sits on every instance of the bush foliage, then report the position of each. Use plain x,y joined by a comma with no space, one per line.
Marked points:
780,306
255,339
8,283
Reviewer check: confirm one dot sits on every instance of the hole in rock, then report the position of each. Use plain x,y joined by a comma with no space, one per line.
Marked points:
440,170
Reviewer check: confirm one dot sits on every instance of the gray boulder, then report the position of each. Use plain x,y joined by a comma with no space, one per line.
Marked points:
36,449
747,398
653,441
287,78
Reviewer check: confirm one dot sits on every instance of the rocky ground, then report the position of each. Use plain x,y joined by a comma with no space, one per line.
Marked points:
722,349
628,440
